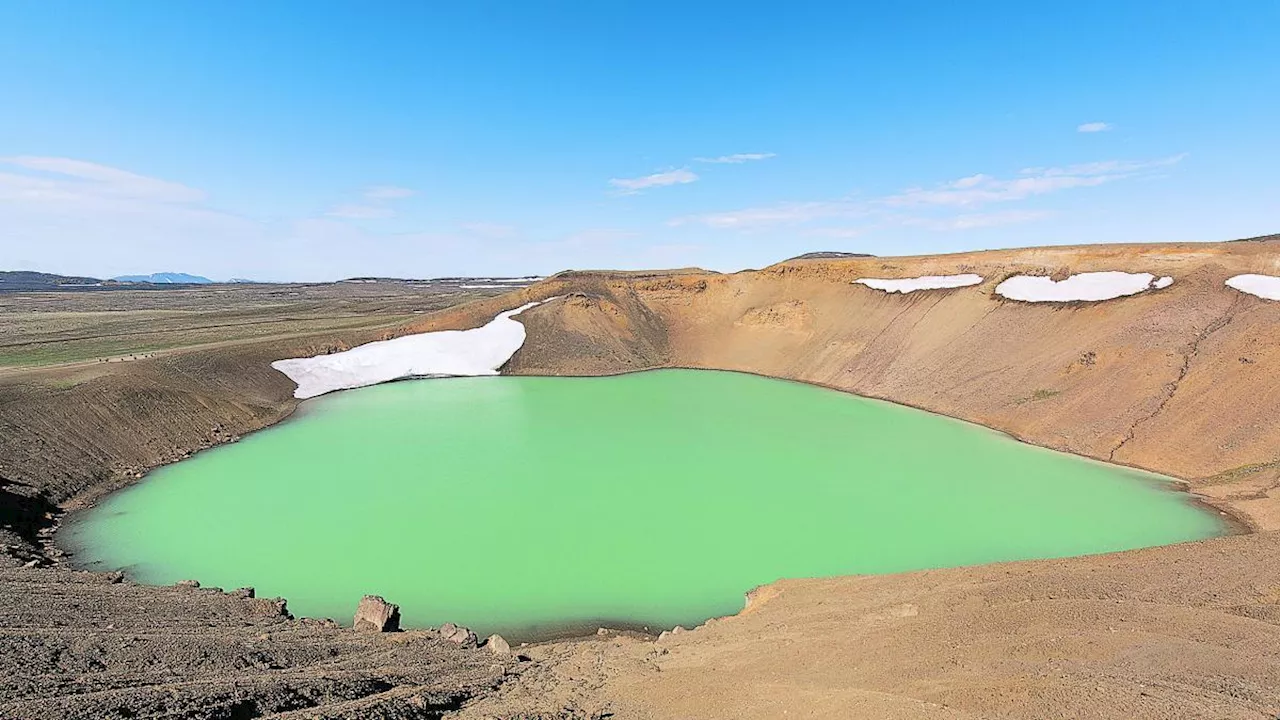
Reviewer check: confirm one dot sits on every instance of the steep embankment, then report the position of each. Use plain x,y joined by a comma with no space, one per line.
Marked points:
88,646
1180,380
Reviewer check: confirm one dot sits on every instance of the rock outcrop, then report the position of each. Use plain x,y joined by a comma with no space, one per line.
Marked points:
375,614
497,645
459,635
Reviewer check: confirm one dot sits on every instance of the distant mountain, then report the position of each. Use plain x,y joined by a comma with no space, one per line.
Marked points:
28,280
830,255
165,278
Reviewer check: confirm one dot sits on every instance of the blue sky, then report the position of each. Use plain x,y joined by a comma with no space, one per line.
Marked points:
318,140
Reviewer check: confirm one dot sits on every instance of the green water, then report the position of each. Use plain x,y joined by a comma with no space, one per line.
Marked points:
529,505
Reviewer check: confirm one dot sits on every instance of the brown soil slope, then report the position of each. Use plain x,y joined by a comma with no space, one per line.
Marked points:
1183,381
85,645
1188,631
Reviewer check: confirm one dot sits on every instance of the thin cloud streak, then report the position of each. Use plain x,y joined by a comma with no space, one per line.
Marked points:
792,213
376,205
680,176
71,216
631,186
360,212
77,177
955,196
1094,127
982,189
974,221
736,159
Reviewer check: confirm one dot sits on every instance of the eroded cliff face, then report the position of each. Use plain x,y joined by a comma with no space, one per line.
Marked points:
1181,380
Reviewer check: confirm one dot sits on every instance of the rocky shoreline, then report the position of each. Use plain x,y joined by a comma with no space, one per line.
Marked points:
1166,388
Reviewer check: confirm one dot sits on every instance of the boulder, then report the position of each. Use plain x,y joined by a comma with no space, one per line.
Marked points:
497,645
375,614
269,607
459,635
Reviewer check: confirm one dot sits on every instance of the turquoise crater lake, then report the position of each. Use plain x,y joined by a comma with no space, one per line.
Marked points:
529,506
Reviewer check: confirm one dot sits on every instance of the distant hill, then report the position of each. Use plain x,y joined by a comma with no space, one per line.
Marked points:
830,255
165,278
28,280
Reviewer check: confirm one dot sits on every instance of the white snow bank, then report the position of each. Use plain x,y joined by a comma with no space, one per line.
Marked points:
444,353
924,282
1264,286
1090,286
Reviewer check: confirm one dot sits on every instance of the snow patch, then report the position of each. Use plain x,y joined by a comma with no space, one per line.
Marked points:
1264,286
446,353
924,282
1090,286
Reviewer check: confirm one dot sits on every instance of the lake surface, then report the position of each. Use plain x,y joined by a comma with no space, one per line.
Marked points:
530,506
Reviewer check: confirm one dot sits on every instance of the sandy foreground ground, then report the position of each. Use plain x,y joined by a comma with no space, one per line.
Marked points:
1184,380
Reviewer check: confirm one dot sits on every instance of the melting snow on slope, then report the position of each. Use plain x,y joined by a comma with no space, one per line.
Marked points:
924,282
1264,286
444,353
1090,286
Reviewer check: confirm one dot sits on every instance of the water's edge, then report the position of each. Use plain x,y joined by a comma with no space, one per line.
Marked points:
1233,524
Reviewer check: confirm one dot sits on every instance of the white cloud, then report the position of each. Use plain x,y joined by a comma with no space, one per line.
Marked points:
737,158
671,177
65,215
351,211
76,217
67,178
791,213
681,176
1107,167
1094,127
972,221
956,196
376,204
982,189
388,192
